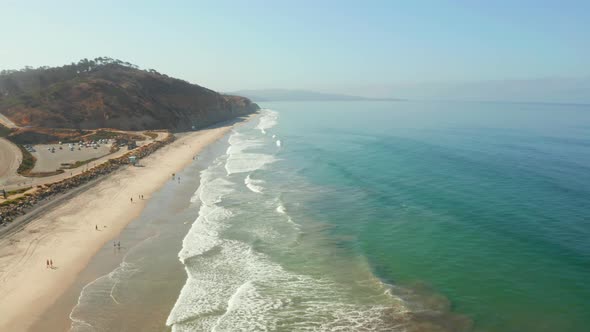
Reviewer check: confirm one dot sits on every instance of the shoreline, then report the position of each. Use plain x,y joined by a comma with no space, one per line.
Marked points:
66,232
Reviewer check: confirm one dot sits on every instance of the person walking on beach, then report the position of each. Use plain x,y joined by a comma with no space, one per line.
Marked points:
51,263
131,199
47,265
96,227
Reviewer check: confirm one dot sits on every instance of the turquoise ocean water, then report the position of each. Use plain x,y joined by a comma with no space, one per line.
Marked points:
394,216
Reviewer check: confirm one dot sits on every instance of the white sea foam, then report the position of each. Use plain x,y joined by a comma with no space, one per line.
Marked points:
239,161
204,233
247,162
212,187
240,142
224,286
278,142
268,120
213,280
254,185
237,289
202,237
232,287
211,192
281,209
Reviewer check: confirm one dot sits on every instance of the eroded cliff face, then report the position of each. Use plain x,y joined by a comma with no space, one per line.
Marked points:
114,96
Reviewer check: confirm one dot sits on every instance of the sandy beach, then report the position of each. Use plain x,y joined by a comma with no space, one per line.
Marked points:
71,233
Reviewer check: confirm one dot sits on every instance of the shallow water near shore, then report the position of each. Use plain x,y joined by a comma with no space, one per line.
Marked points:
258,259
134,286
363,216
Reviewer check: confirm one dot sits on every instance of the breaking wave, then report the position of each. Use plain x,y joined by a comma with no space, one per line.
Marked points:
240,161
240,258
268,120
254,185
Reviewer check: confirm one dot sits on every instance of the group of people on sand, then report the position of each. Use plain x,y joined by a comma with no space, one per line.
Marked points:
49,264
131,198
174,177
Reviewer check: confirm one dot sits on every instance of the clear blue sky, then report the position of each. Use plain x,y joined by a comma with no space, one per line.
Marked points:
369,47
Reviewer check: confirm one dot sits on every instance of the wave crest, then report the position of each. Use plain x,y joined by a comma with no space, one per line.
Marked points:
268,120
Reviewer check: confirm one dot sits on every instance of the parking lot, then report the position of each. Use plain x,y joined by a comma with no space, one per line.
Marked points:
50,157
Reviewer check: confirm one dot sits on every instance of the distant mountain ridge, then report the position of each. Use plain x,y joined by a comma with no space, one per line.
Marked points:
105,92
298,95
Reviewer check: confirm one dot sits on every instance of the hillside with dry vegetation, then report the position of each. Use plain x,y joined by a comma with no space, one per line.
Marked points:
108,93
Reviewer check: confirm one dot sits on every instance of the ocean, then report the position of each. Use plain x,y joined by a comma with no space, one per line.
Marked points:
372,216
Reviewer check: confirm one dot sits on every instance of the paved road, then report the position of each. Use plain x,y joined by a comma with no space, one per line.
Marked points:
6,122
10,158
10,155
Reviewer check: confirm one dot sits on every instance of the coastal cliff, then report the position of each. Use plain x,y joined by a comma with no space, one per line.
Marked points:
110,93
